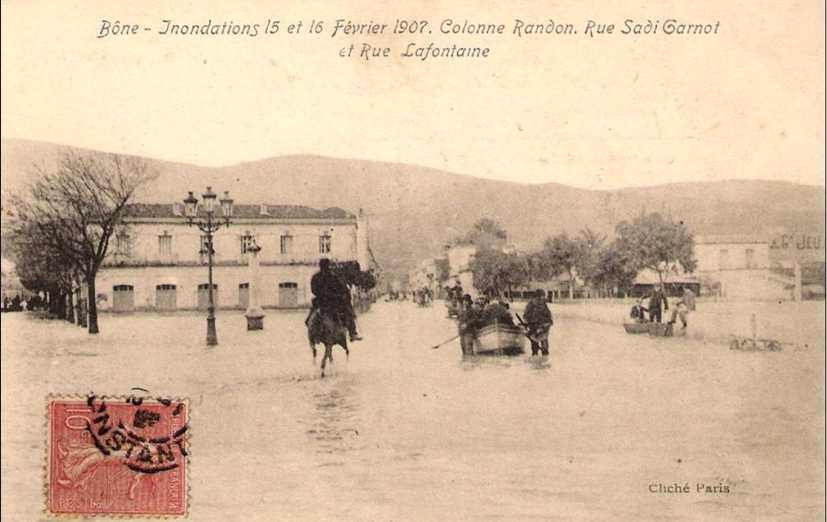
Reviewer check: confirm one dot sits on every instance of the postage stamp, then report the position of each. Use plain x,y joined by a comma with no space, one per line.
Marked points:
124,456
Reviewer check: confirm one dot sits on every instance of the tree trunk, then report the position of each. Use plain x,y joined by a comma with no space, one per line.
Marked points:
571,285
70,310
93,304
54,302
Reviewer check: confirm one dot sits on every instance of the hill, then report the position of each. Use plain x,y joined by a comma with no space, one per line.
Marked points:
415,210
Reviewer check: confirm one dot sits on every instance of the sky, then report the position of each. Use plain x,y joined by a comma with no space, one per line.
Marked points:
601,113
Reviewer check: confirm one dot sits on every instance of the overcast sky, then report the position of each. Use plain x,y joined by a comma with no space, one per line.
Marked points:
595,113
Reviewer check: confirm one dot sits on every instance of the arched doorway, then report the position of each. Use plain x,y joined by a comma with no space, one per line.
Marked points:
123,298
166,297
204,296
288,295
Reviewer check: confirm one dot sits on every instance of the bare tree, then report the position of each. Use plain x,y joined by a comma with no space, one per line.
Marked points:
76,208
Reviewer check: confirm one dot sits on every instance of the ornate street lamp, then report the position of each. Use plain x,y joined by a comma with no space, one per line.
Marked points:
209,223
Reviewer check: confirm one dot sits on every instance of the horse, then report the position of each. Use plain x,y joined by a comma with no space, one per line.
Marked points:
326,327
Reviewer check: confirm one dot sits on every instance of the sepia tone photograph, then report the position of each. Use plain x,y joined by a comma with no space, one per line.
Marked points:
440,261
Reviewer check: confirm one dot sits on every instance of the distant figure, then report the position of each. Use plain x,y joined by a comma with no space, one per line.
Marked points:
332,293
656,298
457,293
689,298
538,322
638,312
685,305
469,322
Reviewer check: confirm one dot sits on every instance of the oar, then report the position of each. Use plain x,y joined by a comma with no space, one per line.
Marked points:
444,342
525,327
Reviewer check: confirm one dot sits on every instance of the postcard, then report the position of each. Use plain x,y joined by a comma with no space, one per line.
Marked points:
415,261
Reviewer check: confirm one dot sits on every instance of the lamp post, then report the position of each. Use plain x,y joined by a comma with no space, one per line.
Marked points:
209,223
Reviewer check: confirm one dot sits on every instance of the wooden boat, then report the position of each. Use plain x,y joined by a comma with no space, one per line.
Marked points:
499,339
453,310
636,328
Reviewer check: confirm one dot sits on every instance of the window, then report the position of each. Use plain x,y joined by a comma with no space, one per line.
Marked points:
286,243
750,255
246,242
324,243
165,245
122,244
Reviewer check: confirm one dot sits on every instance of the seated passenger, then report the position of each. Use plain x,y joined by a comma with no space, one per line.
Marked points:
638,312
497,312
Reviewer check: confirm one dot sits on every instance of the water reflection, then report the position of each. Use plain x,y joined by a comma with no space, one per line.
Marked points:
333,423
477,362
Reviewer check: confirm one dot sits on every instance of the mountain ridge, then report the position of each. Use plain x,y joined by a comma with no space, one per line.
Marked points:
415,210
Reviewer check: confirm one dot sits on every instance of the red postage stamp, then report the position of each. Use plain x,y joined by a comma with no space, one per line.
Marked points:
122,456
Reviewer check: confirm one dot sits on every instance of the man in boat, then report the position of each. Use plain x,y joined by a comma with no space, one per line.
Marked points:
497,312
469,322
638,312
656,298
332,294
538,321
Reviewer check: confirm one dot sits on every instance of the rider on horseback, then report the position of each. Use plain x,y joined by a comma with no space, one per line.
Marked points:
332,294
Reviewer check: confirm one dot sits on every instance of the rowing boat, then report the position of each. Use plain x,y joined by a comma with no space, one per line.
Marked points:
636,328
499,339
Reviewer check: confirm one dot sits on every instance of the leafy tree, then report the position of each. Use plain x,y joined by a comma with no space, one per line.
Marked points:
588,249
496,272
486,233
613,269
39,269
655,242
560,254
75,209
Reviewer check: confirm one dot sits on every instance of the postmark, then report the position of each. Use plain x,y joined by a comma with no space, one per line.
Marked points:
119,456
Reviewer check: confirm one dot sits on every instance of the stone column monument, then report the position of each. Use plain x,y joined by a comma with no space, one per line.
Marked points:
254,314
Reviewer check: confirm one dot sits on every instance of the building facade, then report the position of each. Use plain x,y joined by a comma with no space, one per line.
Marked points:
460,257
741,265
157,262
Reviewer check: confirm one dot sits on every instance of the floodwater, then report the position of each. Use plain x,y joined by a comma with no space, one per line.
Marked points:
401,431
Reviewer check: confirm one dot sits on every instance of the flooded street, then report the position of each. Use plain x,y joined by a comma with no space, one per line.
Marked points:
401,431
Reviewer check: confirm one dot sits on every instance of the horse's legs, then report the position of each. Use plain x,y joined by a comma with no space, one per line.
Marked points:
328,349
347,352
313,349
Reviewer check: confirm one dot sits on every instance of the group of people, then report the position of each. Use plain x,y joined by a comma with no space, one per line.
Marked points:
423,296
21,304
658,303
476,314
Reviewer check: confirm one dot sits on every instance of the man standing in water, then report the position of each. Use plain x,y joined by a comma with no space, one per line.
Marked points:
538,321
332,293
655,299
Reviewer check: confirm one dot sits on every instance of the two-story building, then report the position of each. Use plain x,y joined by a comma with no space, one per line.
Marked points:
741,265
158,262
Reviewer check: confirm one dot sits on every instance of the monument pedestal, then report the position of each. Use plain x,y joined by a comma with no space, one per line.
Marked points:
255,319
254,314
